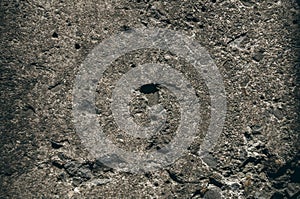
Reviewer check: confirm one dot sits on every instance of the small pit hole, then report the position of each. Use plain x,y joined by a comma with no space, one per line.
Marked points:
149,88
77,46
55,35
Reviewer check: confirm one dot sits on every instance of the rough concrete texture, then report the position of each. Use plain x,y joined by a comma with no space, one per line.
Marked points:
253,43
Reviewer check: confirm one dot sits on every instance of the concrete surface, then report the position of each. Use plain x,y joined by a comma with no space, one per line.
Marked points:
253,43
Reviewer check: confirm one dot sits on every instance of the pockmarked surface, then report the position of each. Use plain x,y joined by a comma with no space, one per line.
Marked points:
149,99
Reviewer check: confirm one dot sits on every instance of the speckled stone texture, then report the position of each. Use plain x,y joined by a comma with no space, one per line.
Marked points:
253,43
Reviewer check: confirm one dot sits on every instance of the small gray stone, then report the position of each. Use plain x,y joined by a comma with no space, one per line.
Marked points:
210,160
76,181
213,194
256,129
72,167
85,173
278,113
293,189
258,56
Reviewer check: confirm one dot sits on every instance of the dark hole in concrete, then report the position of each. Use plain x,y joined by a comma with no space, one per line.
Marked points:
125,28
77,46
148,175
56,145
149,88
55,35
295,21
